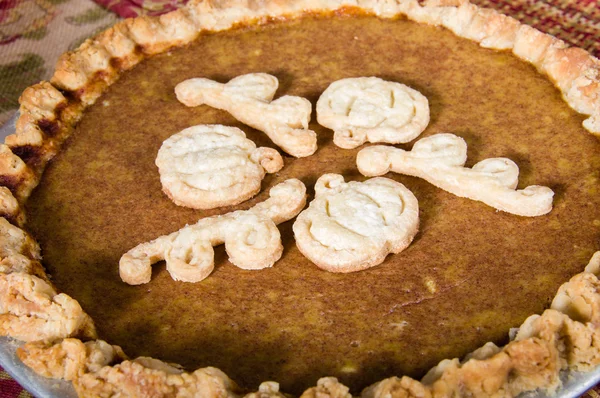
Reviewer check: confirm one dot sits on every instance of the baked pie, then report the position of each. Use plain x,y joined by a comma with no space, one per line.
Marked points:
470,275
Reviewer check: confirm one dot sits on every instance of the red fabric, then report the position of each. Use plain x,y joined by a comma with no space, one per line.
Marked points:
10,388
576,22
133,8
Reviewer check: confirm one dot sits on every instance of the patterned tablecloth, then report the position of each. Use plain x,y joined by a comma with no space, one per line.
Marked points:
33,33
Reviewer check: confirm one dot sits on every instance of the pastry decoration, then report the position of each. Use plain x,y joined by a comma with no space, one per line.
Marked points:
353,226
440,160
209,166
249,98
251,239
371,109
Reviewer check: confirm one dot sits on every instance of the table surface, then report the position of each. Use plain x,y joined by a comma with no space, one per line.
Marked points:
33,33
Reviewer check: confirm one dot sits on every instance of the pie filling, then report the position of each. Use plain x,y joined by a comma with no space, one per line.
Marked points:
471,274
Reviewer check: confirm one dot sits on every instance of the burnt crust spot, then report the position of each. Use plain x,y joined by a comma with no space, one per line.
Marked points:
30,154
116,63
69,95
101,75
10,182
11,218
58,110
51,128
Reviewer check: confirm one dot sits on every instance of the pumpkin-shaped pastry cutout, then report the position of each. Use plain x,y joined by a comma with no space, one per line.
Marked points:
209,166
353,226
370,109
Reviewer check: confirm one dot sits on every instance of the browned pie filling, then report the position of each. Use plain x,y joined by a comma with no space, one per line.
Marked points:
471,274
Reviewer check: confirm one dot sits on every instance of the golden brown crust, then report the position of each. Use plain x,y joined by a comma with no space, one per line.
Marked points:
327,387
155,35
43,123
593,266
10,208
579,299
268,389
30,310
536,365
65,360
577,343
475,377
69,358
574,71
14,240
19,252
123,50
146,377
395,387
15,175
49,111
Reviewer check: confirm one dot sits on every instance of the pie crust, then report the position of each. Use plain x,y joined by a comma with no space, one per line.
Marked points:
564,336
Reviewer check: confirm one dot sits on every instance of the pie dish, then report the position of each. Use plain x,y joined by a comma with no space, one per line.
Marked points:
425,304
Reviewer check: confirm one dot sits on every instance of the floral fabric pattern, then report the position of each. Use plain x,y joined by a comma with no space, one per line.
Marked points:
133,8
33,34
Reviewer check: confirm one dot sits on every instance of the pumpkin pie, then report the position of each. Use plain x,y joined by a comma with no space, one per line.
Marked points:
81,189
